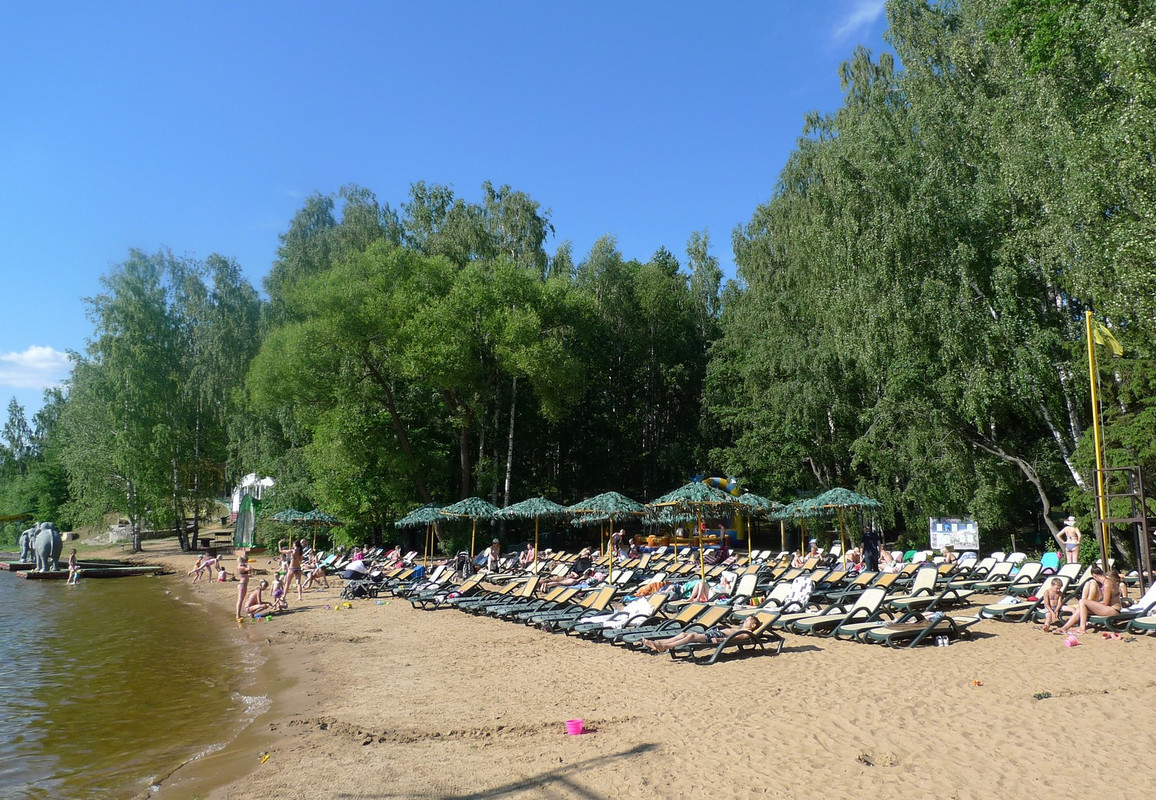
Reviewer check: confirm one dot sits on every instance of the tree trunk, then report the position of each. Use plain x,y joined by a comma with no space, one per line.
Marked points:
197,473
398,427
464,457
1028,471
510,441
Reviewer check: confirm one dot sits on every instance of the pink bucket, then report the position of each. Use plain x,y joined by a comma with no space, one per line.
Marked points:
1070,640
574,727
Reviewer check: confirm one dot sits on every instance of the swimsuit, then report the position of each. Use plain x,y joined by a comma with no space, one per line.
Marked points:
1071,545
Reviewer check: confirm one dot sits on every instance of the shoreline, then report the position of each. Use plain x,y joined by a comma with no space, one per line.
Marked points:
277,677
381,699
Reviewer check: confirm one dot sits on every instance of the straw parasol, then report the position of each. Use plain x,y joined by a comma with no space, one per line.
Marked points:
840,500
612,504
473,508
695,496
536,508
427,515
755,505
319,519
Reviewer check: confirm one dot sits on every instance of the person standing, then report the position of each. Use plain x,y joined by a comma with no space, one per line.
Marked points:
871,549
243,586
1070,536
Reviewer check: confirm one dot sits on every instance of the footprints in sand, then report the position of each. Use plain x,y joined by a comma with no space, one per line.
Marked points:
878,760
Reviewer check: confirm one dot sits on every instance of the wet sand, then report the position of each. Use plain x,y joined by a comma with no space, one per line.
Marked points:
381,700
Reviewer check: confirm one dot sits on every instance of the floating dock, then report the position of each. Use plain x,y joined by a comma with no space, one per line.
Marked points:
90,569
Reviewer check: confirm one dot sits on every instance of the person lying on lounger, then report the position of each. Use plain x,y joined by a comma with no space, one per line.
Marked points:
709,636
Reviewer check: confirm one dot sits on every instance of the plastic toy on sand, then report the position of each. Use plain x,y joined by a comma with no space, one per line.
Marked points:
574,727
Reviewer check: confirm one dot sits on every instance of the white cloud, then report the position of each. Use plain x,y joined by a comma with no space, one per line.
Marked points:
859,19
36,368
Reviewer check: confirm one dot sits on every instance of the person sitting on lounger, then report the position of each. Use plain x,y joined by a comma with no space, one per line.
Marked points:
528,556
709,636
1109,604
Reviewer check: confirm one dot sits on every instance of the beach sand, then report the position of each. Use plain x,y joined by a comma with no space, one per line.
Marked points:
384,701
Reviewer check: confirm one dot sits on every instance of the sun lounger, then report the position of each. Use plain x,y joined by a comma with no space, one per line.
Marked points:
592,627
914,628
866,608
997,578
1022,610
657,620
434,599
597,599
710,616
742,642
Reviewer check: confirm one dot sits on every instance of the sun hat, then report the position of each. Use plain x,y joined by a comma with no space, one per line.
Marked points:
1070,521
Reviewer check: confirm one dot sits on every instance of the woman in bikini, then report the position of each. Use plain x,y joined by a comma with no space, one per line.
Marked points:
293,569
1109,604
1070,535
243,577
712,635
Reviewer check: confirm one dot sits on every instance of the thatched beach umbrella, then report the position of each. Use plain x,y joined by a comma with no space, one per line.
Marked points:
695,496
797,510
841,499
427,515
288,516
612,504
757,506
535,507
319,519
474,508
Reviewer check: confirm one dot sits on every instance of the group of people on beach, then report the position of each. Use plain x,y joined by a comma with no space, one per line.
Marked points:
1103,595
291,565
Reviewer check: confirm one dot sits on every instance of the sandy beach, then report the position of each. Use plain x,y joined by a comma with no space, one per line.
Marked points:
381,700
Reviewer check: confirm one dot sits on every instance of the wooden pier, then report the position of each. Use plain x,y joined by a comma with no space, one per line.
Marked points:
89,569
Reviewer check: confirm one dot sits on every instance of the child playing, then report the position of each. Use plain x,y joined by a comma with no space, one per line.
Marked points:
279,602
73,568
255,604
222,574
1053,603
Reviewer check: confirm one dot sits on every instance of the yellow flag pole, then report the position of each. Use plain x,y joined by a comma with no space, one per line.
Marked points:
1097,436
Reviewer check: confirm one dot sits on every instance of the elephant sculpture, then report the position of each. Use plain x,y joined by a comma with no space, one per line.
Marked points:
26,554
47,547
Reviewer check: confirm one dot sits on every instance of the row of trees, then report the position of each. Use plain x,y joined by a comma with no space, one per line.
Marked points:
913,320
907,320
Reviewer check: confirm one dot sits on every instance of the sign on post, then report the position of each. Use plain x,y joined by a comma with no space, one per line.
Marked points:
962,533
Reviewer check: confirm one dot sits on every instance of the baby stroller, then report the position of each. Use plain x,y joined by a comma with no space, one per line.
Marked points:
358,588
462,565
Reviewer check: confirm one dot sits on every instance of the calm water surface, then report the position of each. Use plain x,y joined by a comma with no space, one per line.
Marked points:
110,685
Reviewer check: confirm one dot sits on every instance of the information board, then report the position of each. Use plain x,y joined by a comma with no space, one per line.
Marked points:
962,533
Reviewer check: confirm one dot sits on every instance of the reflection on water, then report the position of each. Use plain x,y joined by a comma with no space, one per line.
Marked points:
112,684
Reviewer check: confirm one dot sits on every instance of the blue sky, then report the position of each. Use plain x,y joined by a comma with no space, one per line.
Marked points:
202,127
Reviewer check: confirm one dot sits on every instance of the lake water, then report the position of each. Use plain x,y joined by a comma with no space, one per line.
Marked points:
112,684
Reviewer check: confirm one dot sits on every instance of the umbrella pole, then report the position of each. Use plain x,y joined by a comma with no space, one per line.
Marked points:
536,555
842,539
783,535
701,552
473,537
611,567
